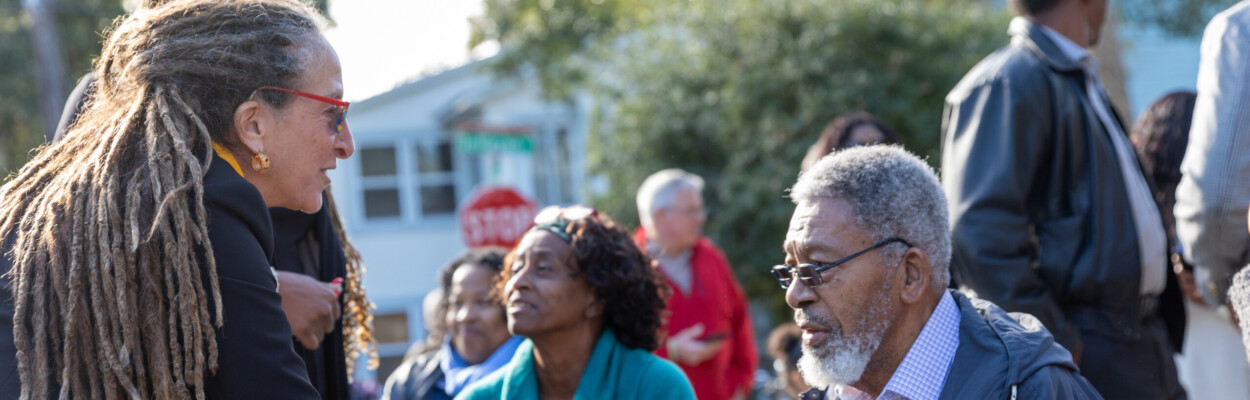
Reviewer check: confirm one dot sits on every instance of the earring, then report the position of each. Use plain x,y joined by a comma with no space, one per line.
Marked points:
260,162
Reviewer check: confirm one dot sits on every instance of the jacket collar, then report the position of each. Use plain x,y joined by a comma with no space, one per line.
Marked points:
224,188
998,350
1025,32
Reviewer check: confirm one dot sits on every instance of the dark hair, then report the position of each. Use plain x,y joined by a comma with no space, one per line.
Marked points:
784,345
491,257
485,256
838,132
1030,8
1160,137
621,276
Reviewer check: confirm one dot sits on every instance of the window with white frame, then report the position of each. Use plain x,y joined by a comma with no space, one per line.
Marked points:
391,330
380,181
408,179
436,183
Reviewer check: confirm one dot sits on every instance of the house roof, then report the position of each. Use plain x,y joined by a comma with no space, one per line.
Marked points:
423,83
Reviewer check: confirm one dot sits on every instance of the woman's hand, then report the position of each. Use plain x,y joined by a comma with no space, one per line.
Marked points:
685,347
311,306
1185,277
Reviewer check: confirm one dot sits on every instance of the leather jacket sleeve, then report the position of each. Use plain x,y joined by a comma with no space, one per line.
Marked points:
996,133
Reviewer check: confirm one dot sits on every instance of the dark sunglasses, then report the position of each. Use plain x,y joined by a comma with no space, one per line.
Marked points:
342,105
810,273
555,219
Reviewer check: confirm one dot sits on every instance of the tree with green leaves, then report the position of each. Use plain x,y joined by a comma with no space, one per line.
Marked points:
27,41
735,91
78,27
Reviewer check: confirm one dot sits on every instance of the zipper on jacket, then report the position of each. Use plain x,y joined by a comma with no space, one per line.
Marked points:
1013,392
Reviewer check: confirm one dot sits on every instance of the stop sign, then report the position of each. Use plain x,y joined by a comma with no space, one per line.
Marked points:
496,216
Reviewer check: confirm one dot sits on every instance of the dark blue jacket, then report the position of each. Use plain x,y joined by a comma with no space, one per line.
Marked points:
1009,356
1005,356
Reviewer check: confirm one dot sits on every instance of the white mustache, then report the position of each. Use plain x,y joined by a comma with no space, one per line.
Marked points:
801,318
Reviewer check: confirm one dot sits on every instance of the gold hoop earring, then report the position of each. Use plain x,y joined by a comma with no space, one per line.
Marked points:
260,162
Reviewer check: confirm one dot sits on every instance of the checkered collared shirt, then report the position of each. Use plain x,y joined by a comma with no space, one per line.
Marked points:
922,374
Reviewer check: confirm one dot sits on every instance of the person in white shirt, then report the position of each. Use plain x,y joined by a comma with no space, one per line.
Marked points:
1211,208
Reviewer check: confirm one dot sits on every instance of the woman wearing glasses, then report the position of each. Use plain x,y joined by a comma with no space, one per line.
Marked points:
138,248
588,302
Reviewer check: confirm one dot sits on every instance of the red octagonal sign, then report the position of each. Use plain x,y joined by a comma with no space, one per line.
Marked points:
496,216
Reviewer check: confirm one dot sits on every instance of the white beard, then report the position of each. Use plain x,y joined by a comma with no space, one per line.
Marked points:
841,360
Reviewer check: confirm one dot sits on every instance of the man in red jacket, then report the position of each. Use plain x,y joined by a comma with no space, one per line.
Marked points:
709,328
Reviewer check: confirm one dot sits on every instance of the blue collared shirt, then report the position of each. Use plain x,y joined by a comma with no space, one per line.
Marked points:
922,374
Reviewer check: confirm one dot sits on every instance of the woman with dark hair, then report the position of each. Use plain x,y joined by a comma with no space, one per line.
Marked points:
588,302
1160,136
1210,362
137,250
849,130
477,341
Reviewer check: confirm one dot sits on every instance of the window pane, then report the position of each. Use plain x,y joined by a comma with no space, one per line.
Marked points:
377,161
388,329
438,199
381,203
391,328
434,158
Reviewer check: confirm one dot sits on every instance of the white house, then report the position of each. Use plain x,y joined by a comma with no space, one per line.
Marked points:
399,194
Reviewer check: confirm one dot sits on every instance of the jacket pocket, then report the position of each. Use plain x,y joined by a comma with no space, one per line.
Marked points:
1058,250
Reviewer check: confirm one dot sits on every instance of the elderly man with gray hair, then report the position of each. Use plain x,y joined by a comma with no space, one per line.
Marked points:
709,327
869,246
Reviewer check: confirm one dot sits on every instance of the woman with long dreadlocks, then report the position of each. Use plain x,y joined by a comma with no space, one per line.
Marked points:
137,249
312,256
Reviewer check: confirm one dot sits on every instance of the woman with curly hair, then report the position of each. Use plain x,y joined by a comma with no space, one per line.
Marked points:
588,302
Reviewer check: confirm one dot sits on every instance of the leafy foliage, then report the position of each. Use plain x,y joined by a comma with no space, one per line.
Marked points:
735,91
79,26
557,36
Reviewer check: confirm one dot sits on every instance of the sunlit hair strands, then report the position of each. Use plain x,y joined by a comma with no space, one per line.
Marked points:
357,309
106,226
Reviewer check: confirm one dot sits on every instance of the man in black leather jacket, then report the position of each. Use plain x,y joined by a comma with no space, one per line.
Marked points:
1050,213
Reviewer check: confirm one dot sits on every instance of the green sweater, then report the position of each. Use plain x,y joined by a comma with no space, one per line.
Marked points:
614,372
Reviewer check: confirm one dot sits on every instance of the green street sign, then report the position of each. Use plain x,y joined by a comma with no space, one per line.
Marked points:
484,142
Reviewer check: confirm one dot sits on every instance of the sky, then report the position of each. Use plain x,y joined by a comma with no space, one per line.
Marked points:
384,43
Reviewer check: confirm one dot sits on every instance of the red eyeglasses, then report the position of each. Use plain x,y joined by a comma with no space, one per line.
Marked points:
342,122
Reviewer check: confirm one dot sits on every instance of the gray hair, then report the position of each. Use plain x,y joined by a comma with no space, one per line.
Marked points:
893,194
1239,297
660,189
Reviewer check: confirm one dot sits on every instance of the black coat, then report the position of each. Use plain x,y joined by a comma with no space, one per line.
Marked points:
1040,217
308,244
255,357
417,378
